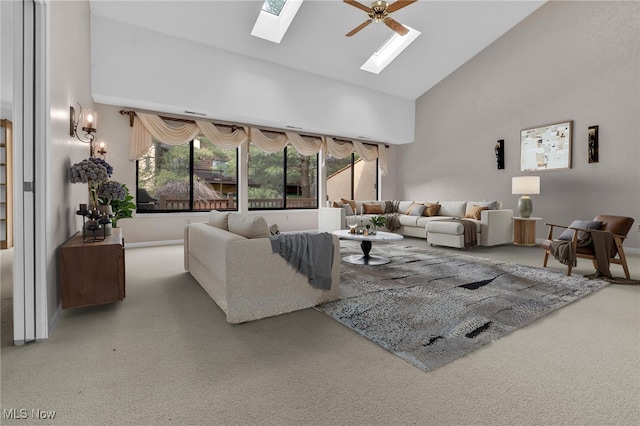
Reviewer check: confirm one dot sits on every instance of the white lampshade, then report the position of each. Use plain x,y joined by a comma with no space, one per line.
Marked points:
525,185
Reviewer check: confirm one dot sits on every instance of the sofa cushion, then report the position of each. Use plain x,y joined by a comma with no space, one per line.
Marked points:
352,203
491,205
416,209
249,226
406,220
403,206
475,211
431,209
452,208
373,209
219,219
567,235
335,204
348,210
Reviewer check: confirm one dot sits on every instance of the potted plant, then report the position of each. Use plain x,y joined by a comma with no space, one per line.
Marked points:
116,195
378,221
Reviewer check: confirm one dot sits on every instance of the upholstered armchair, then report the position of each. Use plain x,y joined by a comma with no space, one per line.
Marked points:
618,226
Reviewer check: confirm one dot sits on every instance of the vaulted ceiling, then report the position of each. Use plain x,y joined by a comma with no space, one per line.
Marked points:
452,33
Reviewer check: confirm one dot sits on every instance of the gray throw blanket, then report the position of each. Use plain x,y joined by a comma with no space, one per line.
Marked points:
602,241
309,254
392,215
470,232
563,250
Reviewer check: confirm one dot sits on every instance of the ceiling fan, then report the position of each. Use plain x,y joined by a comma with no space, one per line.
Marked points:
379,12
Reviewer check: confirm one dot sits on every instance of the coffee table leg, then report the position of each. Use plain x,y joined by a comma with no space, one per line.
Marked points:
365,259
366,248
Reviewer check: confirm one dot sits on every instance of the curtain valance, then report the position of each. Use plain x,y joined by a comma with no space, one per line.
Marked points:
149,126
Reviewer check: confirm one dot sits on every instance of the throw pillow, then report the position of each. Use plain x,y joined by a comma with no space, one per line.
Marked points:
336,204
491,205
475,212
352,203
248,226
388,207
431,209
567,235
348,209
453,208
416,209
373,209
219,219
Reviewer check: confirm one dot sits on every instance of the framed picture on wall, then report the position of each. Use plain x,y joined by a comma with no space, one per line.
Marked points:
546,147
593,144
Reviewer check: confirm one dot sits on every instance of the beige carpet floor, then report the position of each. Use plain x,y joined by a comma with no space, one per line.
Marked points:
165,355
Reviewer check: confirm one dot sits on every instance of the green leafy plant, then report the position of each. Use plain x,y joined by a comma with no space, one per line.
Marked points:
378,221
122,208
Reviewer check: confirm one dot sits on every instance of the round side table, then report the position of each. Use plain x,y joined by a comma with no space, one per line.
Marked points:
524,231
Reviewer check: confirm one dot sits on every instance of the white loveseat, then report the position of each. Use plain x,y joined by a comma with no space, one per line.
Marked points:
242,274
494,226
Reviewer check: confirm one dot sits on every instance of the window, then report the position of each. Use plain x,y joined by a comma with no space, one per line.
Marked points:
197,176
352,178
284,180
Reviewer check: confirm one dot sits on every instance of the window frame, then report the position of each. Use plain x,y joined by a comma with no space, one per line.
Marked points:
352,189
284,186
191,181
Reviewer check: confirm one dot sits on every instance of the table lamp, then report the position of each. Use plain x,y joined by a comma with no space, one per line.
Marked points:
525,185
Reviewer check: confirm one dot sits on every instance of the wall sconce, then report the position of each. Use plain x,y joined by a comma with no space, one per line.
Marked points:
499,148
88,121
101,149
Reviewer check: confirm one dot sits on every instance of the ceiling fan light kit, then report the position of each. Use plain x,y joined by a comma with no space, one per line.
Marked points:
379,12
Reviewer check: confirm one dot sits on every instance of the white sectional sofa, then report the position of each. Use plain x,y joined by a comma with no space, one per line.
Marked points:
494,225
243,276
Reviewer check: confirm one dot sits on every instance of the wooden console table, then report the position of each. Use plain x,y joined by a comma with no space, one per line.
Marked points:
92,273
524,231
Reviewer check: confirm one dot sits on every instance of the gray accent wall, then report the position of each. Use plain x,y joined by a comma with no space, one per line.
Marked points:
575,61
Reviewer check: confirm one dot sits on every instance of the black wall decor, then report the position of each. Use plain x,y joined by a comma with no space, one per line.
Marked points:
593,144
499,148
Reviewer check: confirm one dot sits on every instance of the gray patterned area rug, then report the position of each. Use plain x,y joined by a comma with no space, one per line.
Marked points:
431,307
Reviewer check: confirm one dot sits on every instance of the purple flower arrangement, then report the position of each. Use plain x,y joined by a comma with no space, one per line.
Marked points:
111,191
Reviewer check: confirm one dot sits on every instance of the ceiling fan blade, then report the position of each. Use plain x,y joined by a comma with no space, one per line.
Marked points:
399,4
358,28
358,5
396,26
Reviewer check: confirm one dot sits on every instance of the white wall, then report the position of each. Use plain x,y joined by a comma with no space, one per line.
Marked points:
139,68
69,82
575,61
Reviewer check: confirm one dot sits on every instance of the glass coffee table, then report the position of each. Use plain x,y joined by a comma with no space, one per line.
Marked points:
366,241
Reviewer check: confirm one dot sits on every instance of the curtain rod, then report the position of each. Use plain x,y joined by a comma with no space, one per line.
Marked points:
233,127
132,114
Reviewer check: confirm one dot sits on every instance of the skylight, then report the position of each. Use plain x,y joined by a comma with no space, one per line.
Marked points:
274,19
389,50
273,7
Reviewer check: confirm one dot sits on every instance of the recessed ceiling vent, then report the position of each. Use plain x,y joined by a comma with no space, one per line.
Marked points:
195,113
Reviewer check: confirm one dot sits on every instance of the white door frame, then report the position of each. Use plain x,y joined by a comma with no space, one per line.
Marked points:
30,321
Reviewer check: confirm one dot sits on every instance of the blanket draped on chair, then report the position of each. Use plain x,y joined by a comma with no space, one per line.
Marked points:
309,254
565,253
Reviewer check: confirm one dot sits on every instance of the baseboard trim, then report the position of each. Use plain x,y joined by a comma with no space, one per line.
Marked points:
154,243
